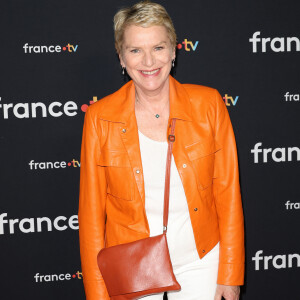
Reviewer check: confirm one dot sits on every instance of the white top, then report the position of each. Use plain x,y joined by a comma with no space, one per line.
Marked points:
180,235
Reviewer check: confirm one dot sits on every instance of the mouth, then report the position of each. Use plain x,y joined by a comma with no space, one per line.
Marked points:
150,72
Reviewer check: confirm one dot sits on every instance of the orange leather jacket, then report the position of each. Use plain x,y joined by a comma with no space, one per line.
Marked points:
112,195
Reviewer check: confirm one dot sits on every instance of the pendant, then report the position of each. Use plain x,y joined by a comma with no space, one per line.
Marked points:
157,115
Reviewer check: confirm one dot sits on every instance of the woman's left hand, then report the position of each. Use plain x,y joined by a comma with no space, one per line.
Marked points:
228,292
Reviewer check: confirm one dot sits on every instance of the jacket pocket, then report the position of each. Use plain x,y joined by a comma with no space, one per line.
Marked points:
202,157
118,173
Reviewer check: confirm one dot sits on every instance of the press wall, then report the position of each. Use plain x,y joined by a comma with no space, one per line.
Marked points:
58,57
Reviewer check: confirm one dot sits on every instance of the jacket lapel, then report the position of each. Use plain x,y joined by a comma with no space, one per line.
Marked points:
180,106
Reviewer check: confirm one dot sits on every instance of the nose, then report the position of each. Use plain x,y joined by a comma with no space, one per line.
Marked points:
148,59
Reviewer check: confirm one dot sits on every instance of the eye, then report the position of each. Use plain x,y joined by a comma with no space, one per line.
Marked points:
159,48
134,50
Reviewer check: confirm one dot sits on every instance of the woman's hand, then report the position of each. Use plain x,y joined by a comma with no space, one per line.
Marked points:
228,292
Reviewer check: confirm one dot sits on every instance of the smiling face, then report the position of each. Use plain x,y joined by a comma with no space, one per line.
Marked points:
147,55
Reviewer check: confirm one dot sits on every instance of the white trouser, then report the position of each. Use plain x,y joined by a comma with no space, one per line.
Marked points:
198,279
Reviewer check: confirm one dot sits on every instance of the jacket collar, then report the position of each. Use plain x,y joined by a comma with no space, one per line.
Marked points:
124,98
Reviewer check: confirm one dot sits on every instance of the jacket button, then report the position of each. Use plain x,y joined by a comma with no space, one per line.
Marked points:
138,171
184,165
195,209
123,130
203,250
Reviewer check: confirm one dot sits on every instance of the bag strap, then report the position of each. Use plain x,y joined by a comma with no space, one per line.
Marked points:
171,139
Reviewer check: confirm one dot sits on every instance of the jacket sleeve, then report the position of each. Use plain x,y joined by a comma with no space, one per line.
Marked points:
226,189
91,214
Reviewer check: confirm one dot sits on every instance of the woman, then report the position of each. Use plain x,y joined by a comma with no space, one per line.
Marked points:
123,160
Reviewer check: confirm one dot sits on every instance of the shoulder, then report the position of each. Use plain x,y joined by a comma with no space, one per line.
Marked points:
206,102
204,96
111,101
197,88
198,92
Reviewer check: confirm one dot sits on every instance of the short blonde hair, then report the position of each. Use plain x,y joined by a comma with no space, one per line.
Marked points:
145,14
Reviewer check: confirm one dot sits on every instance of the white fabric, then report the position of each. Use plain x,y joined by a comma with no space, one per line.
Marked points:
180,235
198,278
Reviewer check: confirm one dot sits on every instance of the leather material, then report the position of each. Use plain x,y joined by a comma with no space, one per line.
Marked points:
142,267
112,195
138,268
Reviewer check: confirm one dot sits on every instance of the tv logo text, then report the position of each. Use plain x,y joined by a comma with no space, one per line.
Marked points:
187,45
50,49
291,97
278,261
30,225
229,100
276,44
53,165
290,205
56,277
276,154
33,110
39,109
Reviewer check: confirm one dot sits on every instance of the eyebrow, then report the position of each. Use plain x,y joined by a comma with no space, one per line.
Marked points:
163,42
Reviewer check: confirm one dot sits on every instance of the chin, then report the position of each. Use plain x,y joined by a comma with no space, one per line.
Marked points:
152,85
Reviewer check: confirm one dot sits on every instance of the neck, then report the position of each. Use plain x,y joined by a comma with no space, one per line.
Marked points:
156,98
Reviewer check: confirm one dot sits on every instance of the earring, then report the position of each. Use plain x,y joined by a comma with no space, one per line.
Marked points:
123,72
173,63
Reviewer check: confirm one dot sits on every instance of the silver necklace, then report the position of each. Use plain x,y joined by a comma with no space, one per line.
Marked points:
156,115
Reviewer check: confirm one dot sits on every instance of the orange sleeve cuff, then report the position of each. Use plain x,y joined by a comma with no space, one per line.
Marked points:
231,274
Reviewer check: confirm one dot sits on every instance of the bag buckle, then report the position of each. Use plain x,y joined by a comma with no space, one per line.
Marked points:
171,138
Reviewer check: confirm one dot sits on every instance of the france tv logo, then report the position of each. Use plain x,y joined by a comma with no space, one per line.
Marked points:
50,49
187,45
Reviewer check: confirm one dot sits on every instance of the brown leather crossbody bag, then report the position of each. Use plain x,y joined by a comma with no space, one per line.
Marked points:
137,269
